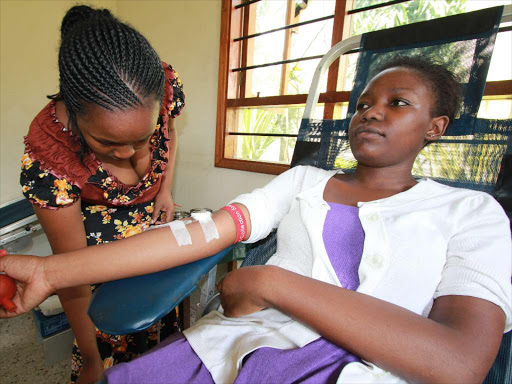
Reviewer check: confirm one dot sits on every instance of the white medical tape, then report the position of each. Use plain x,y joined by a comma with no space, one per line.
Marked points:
180,233
207,224
178,229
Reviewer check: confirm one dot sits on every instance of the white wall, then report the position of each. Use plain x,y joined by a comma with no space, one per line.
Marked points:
29,41
185,33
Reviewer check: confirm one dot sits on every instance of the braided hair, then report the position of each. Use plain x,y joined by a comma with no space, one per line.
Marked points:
104,62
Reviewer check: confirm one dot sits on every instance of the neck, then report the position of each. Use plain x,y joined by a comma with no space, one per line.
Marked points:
396,178
62,113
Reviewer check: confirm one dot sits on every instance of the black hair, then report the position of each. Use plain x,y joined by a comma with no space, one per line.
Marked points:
444,85
104,62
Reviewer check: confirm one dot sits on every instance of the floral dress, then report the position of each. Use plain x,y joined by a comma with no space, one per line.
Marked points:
55,176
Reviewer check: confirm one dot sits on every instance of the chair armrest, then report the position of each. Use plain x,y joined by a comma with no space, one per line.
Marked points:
501,370
130,305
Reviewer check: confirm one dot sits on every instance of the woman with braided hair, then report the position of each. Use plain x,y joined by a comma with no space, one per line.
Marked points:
99,162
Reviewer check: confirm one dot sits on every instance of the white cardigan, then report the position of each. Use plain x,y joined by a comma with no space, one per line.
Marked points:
429,241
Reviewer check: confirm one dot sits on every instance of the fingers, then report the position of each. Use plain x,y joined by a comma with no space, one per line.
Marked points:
5,314
170,214
162,215
163,211
156,213
3,263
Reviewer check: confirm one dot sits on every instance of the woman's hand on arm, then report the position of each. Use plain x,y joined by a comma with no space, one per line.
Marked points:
242,291
457,343
163,208
163,201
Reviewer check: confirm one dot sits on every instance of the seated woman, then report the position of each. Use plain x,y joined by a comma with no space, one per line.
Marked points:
377,277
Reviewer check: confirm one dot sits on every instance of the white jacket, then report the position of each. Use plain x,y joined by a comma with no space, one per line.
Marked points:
429,241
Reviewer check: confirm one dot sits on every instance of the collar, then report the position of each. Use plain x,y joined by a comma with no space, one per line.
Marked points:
424,188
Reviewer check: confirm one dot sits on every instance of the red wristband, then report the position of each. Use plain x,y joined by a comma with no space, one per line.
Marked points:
239,219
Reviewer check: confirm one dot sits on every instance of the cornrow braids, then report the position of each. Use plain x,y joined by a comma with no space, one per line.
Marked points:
104,62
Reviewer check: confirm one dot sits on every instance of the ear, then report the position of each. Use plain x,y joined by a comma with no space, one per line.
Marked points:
437,128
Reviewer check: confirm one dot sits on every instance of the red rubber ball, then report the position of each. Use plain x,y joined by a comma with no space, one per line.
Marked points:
7,292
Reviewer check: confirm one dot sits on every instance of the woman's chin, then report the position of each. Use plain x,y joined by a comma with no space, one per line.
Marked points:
370,158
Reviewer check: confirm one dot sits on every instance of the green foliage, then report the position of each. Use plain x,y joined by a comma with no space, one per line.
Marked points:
279,120
406,13
402,13
255,121
258,121
478,163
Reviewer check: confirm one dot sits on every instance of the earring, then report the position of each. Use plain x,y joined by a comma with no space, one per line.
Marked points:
431,135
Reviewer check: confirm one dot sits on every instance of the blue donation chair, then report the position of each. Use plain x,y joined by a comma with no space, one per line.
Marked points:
474,153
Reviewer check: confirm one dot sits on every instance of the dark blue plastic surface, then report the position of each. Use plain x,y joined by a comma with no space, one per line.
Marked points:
130,305
50,325
15,211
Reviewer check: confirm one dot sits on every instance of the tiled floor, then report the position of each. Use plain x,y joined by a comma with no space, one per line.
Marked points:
22,358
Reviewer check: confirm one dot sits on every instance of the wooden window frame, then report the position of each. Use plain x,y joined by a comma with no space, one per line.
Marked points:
235,21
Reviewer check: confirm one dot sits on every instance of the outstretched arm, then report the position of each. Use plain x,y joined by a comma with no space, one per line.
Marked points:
148,252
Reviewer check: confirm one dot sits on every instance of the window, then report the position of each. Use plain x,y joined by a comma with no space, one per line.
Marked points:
270,48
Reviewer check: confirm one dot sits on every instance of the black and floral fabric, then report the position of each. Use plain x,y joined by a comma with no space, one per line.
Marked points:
46,190
105,224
